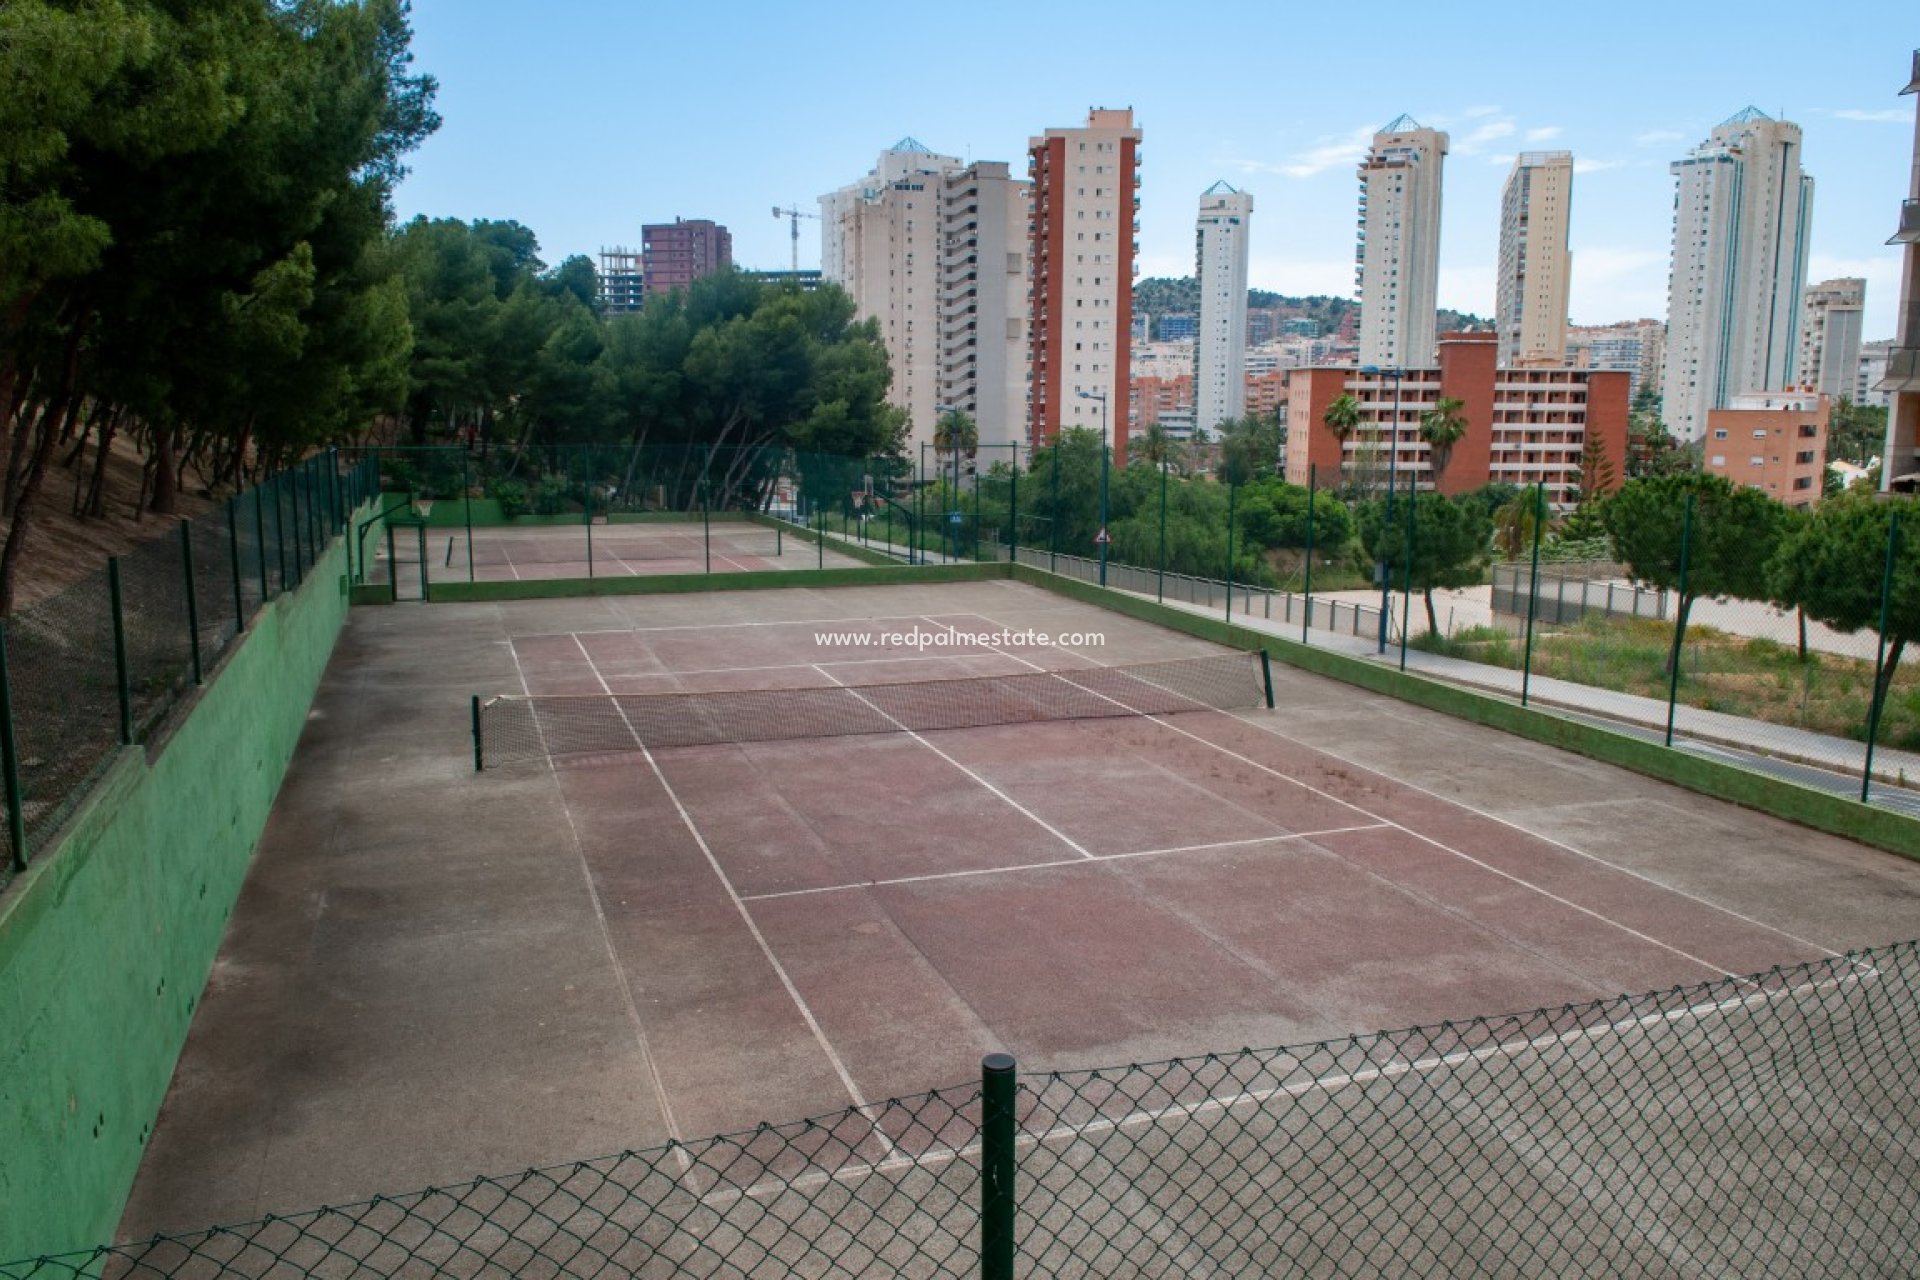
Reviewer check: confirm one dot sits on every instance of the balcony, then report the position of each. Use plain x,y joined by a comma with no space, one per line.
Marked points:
1909,232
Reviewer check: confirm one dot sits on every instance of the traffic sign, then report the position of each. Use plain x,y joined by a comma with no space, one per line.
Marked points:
954,517
1102,538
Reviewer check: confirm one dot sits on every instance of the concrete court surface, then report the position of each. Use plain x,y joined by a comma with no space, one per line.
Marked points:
433,974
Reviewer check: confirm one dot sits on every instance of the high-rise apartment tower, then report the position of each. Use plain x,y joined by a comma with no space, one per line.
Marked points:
1220,355
1084,218
1530,302
1397,261
1829,355
1902,379
1742,216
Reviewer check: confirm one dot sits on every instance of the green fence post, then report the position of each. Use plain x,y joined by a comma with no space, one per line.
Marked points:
1013,505
233,553
1053,531
1879,664
706,525
479,759
122,679
1533,588
1406,609
1679,619
587,490
299,541
280,533
1266,676
1232,491
260,544
1160,588
10,762
976,513
193,605
393,569
1307,621
421,529
999,1096
466,506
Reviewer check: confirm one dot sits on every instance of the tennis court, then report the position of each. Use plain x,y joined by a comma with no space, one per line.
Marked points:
436,972
582,550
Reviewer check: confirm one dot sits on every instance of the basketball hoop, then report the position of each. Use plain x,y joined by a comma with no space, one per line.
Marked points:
859,499
422,507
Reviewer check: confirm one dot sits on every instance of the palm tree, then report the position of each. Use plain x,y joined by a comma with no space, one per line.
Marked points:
1159,448
1343,419
1442,427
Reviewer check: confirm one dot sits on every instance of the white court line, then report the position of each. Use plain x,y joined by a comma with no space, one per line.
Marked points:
606,941
1058,862
1029,814
1546,839
1329,1083
844,624
733,895
1425,839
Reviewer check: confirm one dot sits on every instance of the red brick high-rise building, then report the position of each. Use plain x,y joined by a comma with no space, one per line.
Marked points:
675,254
1084,219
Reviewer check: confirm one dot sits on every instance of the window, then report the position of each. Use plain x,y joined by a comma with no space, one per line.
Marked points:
1756,461
1719,433
1719,460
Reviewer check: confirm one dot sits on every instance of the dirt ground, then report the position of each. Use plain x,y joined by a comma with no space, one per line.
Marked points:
62,548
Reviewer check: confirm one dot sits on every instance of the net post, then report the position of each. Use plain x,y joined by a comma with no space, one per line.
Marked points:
999,1092
233,553
779,542
121,678
1266,676
193,605
10,763
479,759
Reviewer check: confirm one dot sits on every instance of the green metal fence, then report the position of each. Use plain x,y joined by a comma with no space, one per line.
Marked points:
103,663
1761,1125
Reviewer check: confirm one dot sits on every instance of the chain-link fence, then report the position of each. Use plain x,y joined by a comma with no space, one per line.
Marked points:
103,663
1765,1125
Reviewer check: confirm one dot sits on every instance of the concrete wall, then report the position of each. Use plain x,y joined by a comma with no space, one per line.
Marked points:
107,939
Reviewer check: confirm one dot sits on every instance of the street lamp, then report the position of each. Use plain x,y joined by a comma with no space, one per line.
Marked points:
1104,537
1393,460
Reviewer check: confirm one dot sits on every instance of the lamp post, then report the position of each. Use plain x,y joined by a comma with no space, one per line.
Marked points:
1393,460
1105,453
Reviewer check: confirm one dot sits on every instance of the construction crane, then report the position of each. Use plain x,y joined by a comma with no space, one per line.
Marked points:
793,216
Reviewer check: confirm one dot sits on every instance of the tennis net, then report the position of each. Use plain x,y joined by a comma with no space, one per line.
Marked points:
510,729
570,547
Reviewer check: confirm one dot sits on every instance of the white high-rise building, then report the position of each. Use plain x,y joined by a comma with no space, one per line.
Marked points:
1873,371
1829,356
1530,305
1397,261
935,250
1742,216
1220,356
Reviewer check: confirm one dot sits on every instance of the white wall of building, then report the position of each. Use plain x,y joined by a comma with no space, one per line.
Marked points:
1397,263
1220,361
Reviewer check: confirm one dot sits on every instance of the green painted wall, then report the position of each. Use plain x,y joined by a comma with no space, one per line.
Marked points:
452,513
107,939
680,583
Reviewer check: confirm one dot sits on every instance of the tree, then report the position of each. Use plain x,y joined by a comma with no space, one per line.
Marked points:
1249,449
1726,544
1342,417
1450,540
1158,449
1856,433
1274,514
1834,566
1442,427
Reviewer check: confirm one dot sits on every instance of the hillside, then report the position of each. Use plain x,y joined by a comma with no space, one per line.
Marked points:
1162,295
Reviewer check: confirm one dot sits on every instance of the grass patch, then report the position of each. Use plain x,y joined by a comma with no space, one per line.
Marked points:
1757,678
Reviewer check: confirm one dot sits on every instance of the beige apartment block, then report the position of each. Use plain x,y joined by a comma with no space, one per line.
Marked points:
1829,356
1530,302
1397,260
1220,358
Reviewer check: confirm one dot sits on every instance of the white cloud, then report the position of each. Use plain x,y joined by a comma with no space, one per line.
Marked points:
1330,151
1588,164
1299,277
1657,137
1546,133
1612,283
1475,113
1468,288
1476,142
1892,115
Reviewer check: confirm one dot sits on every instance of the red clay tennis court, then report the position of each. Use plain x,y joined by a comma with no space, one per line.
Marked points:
859,913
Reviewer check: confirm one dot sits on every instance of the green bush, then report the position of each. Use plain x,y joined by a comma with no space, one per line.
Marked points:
550,494
510,494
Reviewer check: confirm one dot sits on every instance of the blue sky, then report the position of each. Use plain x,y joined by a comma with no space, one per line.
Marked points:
584,119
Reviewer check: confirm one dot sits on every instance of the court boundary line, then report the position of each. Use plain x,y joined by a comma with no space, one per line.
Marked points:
645,1044
1547,839
998,794
1061,862
746,916
1330,1082
1425,839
